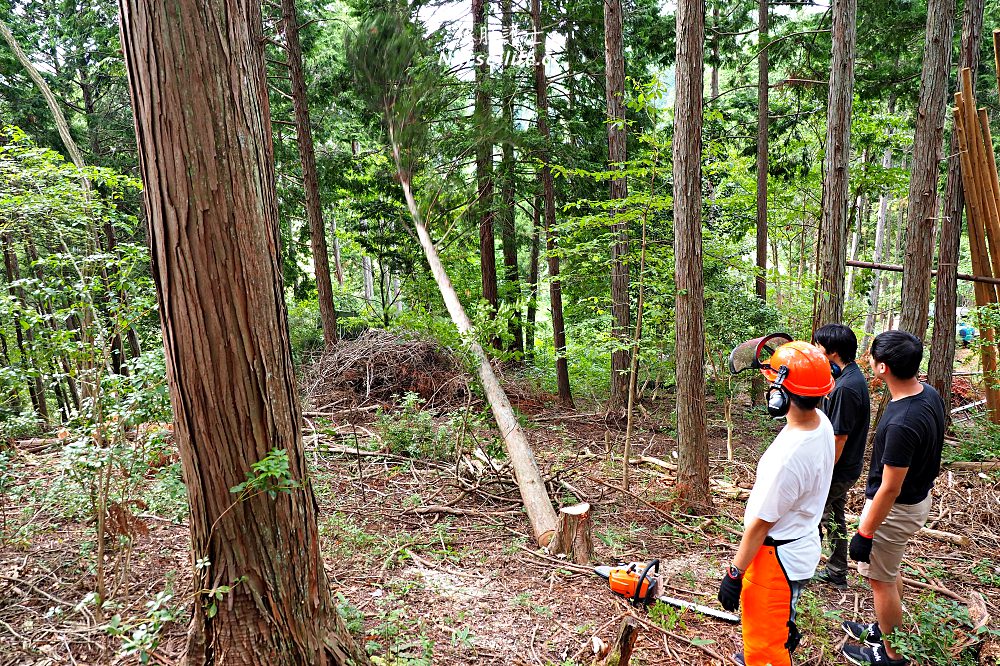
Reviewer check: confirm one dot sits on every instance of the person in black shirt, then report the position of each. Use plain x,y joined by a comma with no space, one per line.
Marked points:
906,459
849,411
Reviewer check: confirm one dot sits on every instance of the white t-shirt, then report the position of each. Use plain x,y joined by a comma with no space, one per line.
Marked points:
793,481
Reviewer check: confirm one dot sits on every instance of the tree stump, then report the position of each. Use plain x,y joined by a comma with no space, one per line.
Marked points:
620,652
573,534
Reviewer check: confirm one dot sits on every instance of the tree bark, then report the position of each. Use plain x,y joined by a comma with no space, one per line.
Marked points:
484,157
574,533
614,58
199,95
927,146
762,146
549,210
715,53
508,165
692,464
942,354
310,178
833,226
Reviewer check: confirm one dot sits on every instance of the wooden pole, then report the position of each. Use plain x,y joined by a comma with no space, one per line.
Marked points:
896,268
985,294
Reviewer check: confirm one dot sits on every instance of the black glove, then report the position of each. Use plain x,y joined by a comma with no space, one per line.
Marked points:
729,590
861,548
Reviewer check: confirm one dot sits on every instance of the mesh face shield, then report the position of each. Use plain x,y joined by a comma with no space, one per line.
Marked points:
754,354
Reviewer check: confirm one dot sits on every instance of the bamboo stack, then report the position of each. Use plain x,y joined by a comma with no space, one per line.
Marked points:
982,206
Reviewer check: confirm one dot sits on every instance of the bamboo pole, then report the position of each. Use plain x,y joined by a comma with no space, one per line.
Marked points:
985,293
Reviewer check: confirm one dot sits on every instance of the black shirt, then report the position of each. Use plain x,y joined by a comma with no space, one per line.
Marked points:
910,434
849,410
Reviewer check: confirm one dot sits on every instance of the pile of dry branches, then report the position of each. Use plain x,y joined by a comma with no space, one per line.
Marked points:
378,365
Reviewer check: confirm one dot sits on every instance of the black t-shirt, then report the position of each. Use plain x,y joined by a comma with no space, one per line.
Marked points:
850,413
910,434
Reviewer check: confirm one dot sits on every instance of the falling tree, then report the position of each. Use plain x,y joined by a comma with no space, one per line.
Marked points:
199,95
689,308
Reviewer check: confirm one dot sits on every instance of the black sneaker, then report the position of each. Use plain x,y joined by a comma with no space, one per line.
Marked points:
738,659
869,634
871,656
831,578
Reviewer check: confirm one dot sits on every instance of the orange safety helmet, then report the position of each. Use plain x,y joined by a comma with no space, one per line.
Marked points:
808,369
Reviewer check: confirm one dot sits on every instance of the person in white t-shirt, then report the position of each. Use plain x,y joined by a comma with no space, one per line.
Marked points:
780,547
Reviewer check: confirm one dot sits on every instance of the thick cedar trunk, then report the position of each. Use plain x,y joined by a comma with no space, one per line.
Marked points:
942,355
310,178
762,112
508,233
484,157
833,226
549,210
927,140
536,225
25,335
692,464
614,58
199,95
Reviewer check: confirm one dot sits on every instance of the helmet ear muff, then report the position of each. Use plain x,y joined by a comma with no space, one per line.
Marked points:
778,400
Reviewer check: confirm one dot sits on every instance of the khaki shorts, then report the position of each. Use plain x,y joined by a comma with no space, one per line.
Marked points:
903,521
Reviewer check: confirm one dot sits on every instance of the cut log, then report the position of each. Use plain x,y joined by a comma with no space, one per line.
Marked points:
989,652
573,534
950,537
36,444
621,650
984,466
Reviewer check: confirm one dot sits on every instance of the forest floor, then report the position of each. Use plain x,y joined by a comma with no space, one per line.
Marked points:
433,558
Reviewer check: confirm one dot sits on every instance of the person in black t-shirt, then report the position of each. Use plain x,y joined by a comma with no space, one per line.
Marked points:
906,458
849,411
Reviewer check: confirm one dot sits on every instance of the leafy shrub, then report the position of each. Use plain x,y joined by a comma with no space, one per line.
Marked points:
305,329
942,625
411,431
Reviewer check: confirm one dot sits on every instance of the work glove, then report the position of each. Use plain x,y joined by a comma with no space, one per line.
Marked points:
861,548
729,590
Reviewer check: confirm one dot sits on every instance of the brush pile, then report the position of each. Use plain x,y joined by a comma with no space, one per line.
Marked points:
379,366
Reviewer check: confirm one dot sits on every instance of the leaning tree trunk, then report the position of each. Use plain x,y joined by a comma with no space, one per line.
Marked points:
762,111
310,177
942,356
508,232
614,59
692,464
833,226
536,500
549,210
927,139
199,95
484,158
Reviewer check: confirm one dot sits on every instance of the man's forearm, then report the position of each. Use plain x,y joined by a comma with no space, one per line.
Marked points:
753,539
880,507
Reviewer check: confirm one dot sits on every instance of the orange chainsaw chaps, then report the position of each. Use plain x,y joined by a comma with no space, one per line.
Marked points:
769,634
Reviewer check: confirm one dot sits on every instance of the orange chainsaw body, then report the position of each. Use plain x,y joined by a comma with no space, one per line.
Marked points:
624,582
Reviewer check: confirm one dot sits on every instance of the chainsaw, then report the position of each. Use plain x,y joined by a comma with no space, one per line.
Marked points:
639,582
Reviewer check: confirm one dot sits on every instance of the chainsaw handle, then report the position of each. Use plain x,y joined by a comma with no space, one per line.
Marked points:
655,566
